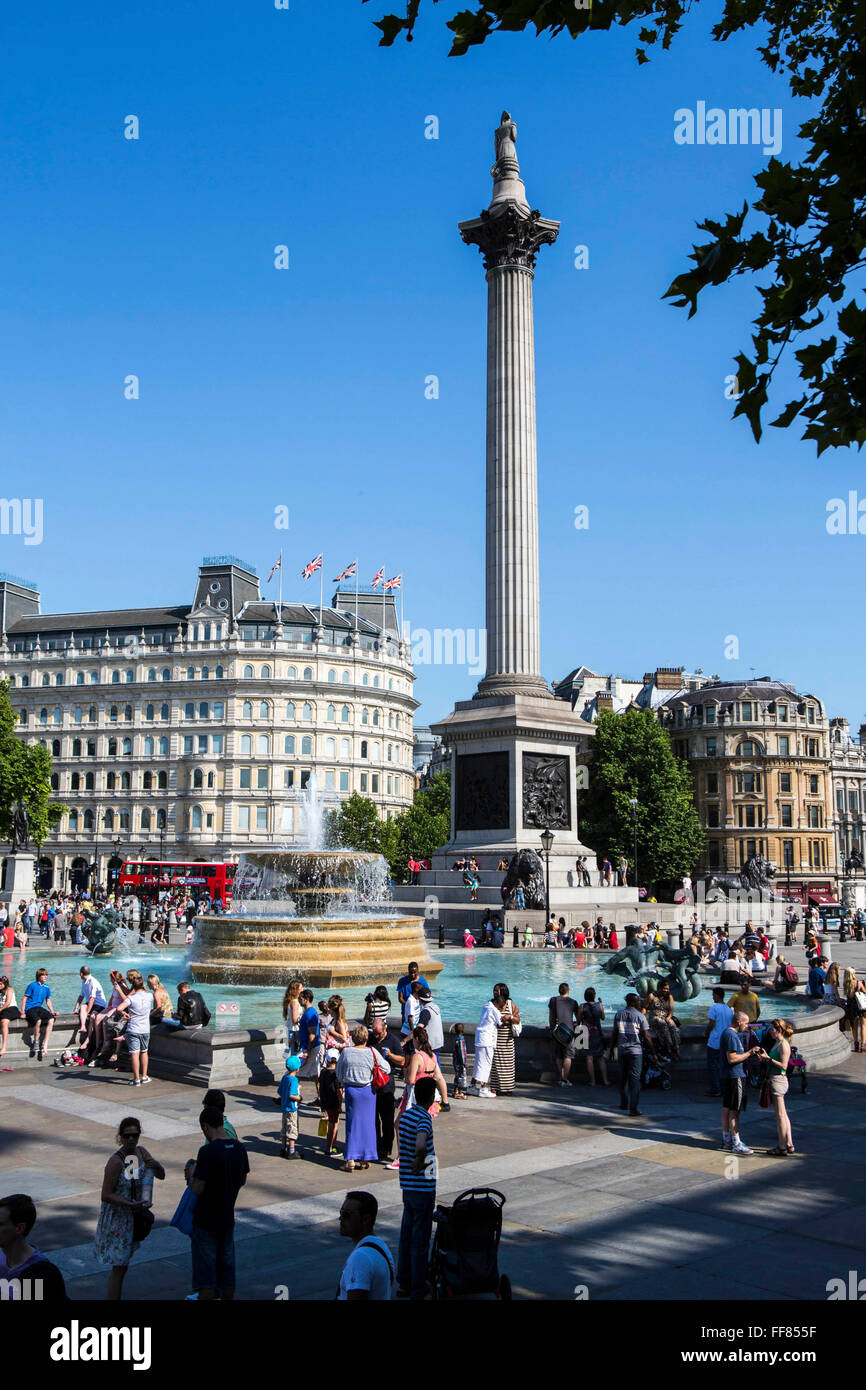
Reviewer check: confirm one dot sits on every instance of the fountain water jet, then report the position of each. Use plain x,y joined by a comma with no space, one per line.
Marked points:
321,914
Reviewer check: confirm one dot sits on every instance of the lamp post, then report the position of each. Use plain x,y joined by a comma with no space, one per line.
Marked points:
632,801
547,845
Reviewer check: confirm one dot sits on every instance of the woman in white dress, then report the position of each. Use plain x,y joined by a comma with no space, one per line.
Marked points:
122,1196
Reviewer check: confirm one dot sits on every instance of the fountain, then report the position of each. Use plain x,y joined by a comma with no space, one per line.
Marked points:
319,914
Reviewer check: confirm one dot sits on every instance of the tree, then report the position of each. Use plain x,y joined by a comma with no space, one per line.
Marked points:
811,233
632,757
25,775
424,826
355,826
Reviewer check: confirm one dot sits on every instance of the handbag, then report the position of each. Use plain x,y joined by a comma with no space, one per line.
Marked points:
563,1035
323,1128
182,1218
143,1219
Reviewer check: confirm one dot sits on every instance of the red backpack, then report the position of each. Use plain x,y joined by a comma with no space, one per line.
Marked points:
790,975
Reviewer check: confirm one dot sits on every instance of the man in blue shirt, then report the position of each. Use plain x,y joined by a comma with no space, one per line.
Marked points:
39,1012
734,1054
418,1182
817,976
308,1036
405,982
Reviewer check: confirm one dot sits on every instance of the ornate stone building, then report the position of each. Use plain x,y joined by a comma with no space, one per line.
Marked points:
191,732
760,756
848,774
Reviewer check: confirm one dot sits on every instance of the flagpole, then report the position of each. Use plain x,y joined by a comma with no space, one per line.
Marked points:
401,613
280,618
383,609
321,588
357,577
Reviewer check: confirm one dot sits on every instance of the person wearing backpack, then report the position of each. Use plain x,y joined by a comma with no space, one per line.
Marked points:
785,977
369,1271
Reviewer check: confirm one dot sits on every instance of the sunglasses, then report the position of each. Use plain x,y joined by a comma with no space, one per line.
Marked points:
131,1134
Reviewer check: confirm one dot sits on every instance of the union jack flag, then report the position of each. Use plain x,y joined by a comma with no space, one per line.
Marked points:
309,570
346,573
378,577
395,583
277,566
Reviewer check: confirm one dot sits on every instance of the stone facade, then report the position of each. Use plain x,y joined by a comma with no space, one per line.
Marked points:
192,732
848,778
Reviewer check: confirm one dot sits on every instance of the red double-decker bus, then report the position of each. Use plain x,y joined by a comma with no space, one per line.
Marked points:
154,879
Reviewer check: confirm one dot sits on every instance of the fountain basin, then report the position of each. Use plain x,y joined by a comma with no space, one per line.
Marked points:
327,953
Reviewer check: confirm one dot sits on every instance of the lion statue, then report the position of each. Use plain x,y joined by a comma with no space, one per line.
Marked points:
754,878
525,868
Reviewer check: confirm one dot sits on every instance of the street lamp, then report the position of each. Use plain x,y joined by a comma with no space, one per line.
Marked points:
547,845
633,803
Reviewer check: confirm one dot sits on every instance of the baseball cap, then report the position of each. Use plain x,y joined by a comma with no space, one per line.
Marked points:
425,994
292,1063
333,1054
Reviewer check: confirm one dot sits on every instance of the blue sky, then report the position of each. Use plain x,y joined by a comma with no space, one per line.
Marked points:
305,387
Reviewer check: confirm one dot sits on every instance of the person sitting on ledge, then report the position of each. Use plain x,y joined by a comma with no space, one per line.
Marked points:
191,1012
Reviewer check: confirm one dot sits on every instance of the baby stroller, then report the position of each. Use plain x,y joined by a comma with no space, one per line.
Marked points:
466,1244
797,1067
655,1073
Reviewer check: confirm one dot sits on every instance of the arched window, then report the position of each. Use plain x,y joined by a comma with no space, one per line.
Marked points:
205,673
166,673
163,745
112,748
74,782
375,716
332,676
195,818
91,748
263,744
22,716
73,822
88,820
149,712
748,749
389,752
365,679
46,679
219,673
248,673
58,679
246,743
130,676
190,673
147,781
94,678
57,715
363,748
345,748
164,712
390,719
306,746
76,748
145,818
125,782
376,681
308,711
151,674
264,710
210,779
198,778
266,673
124,820
43,715
398,721
55,782
292,673
330,747
344,714
365,715
162,781
247,711
89,781
79,678
55,748
332,714
160,820
115,678
110,779
148,747
127,712
25,681
108,820
308,673
289,745
91,714
112,714
345,677
374,753
290,710
127,747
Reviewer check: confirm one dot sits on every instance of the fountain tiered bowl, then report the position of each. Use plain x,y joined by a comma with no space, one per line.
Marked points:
321,915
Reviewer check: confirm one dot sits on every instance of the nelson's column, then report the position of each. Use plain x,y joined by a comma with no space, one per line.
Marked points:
514,747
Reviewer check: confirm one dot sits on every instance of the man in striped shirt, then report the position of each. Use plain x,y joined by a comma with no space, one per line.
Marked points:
418,1182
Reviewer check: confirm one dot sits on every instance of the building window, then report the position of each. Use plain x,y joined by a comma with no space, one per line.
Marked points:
203,709
811,748
787,814
747,749
363,781
287,818
306,746
332,676
245,778
163,746
248,673
289,745
748,782
784,781
363,748
330,780
290,710
79,678
813,784
811,714
713,857
375,783
331,714
783,719
166,673
292,674
712,815
815,817
308,673
712,783
261,818
711,747
344,714
217,743
365,715
148,747
288,777
784,746
345,678
263,744
305,778
307,711
330,748
262,778
344,781
266,673
264,710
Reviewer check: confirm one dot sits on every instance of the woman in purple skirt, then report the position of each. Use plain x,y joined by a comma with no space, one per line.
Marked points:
355,1075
